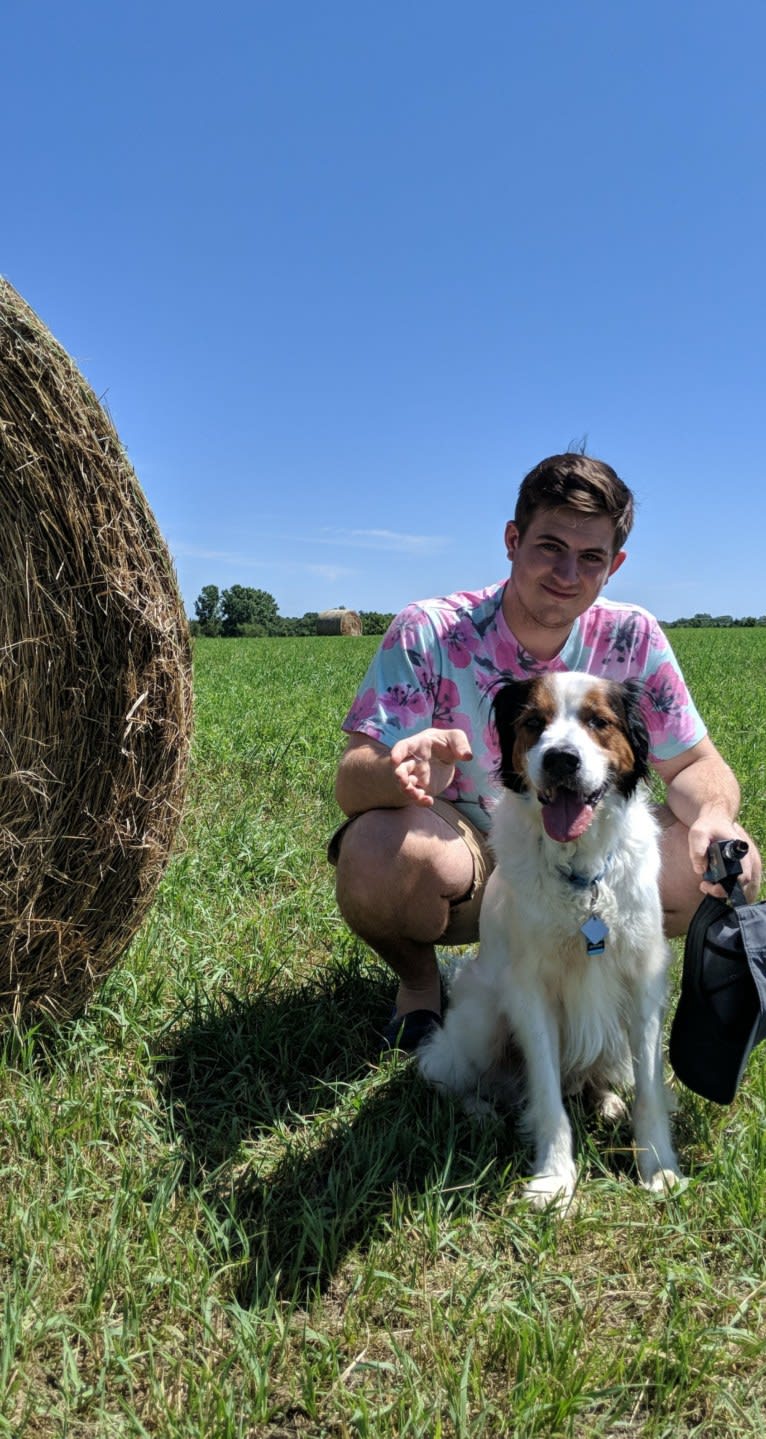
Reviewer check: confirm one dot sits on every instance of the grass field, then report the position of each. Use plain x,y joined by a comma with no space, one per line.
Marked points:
220,1217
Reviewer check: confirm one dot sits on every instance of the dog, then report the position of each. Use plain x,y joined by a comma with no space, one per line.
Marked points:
571,970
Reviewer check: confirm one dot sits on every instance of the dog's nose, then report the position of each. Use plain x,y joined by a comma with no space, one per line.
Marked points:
561,764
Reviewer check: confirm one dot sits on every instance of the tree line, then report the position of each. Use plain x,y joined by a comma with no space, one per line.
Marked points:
714,622
242,612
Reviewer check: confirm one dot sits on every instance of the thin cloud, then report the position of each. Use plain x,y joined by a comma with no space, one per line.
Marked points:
402,543
229,557
391,541
329,572
199,552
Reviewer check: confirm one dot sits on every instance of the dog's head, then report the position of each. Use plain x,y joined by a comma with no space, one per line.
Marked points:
570,739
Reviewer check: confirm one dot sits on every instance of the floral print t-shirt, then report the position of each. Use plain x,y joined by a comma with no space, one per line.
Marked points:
441,661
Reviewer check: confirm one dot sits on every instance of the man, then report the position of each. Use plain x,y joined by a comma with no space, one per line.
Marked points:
416,778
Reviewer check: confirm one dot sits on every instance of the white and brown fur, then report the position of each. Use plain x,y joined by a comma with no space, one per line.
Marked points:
579,1021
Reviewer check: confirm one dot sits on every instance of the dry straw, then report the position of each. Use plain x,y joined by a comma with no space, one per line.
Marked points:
339,622
95,688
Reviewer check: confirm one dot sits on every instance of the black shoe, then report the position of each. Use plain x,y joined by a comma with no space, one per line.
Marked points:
406,1031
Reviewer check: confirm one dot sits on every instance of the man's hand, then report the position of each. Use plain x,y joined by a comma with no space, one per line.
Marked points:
712,825
704,795
424,764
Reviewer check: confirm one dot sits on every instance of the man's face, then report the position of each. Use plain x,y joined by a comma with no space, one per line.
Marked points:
561,564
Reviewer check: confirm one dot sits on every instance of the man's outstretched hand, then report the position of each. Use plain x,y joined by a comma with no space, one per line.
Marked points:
424,764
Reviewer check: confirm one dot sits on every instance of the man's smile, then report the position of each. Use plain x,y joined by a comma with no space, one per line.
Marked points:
558,594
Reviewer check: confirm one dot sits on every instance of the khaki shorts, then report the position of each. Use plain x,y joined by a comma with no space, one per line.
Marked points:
463,927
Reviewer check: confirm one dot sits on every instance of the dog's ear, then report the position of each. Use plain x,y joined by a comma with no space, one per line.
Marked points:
629,694
507,705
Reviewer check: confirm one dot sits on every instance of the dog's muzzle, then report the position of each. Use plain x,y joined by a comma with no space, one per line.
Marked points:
567,810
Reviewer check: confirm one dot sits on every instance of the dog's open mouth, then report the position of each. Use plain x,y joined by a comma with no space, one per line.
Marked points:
566,812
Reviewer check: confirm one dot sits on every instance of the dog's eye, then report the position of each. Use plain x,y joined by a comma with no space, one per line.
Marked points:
597,722
535,724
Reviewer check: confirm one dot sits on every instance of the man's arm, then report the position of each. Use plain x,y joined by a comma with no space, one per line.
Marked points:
702,792
414,771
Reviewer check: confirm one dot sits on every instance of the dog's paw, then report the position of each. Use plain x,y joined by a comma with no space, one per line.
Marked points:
551,1192
444,1065
663,1181
435,1061
609,1107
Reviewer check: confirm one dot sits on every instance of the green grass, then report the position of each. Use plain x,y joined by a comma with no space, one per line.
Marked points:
220,1217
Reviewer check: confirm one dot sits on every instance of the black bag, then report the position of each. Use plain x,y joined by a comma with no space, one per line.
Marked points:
721,1013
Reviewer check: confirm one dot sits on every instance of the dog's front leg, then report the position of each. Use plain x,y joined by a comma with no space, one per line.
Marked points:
657,1163
535,1028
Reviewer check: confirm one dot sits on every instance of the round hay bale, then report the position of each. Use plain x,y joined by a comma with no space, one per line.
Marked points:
339,622
95,682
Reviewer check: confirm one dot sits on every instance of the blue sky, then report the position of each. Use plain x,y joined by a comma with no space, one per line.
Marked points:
344,272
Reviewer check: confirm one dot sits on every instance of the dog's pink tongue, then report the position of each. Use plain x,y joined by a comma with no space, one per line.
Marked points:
566,816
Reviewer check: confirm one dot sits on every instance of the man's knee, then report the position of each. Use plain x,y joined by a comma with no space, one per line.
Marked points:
399,868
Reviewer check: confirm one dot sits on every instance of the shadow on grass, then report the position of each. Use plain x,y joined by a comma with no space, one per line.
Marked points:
298,1222
236,1067
295,1137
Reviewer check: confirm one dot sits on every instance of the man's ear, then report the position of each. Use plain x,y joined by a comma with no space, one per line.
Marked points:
618,560
511,539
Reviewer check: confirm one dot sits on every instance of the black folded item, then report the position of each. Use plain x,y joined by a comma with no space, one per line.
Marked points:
721,1013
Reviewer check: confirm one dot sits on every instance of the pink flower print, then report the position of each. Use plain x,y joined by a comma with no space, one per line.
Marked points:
487,678
423,664
406,703
665,706
392,639
360,715
462,787
619,641
446,698
462,643
503,652
591,626
490,758
510,659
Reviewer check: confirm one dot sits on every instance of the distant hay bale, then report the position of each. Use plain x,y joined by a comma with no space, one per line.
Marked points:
339,622
95,687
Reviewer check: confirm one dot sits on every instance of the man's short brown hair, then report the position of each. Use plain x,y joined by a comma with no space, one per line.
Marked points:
580,483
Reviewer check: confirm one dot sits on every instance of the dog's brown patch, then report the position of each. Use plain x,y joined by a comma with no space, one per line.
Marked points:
606,726
535,717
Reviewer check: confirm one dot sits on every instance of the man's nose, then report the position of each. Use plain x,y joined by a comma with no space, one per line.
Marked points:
566,567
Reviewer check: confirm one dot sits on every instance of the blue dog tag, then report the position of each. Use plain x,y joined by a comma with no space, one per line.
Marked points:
595,932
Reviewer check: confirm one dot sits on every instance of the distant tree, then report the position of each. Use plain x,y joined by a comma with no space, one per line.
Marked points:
243,607
375,623
207,608
291,626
